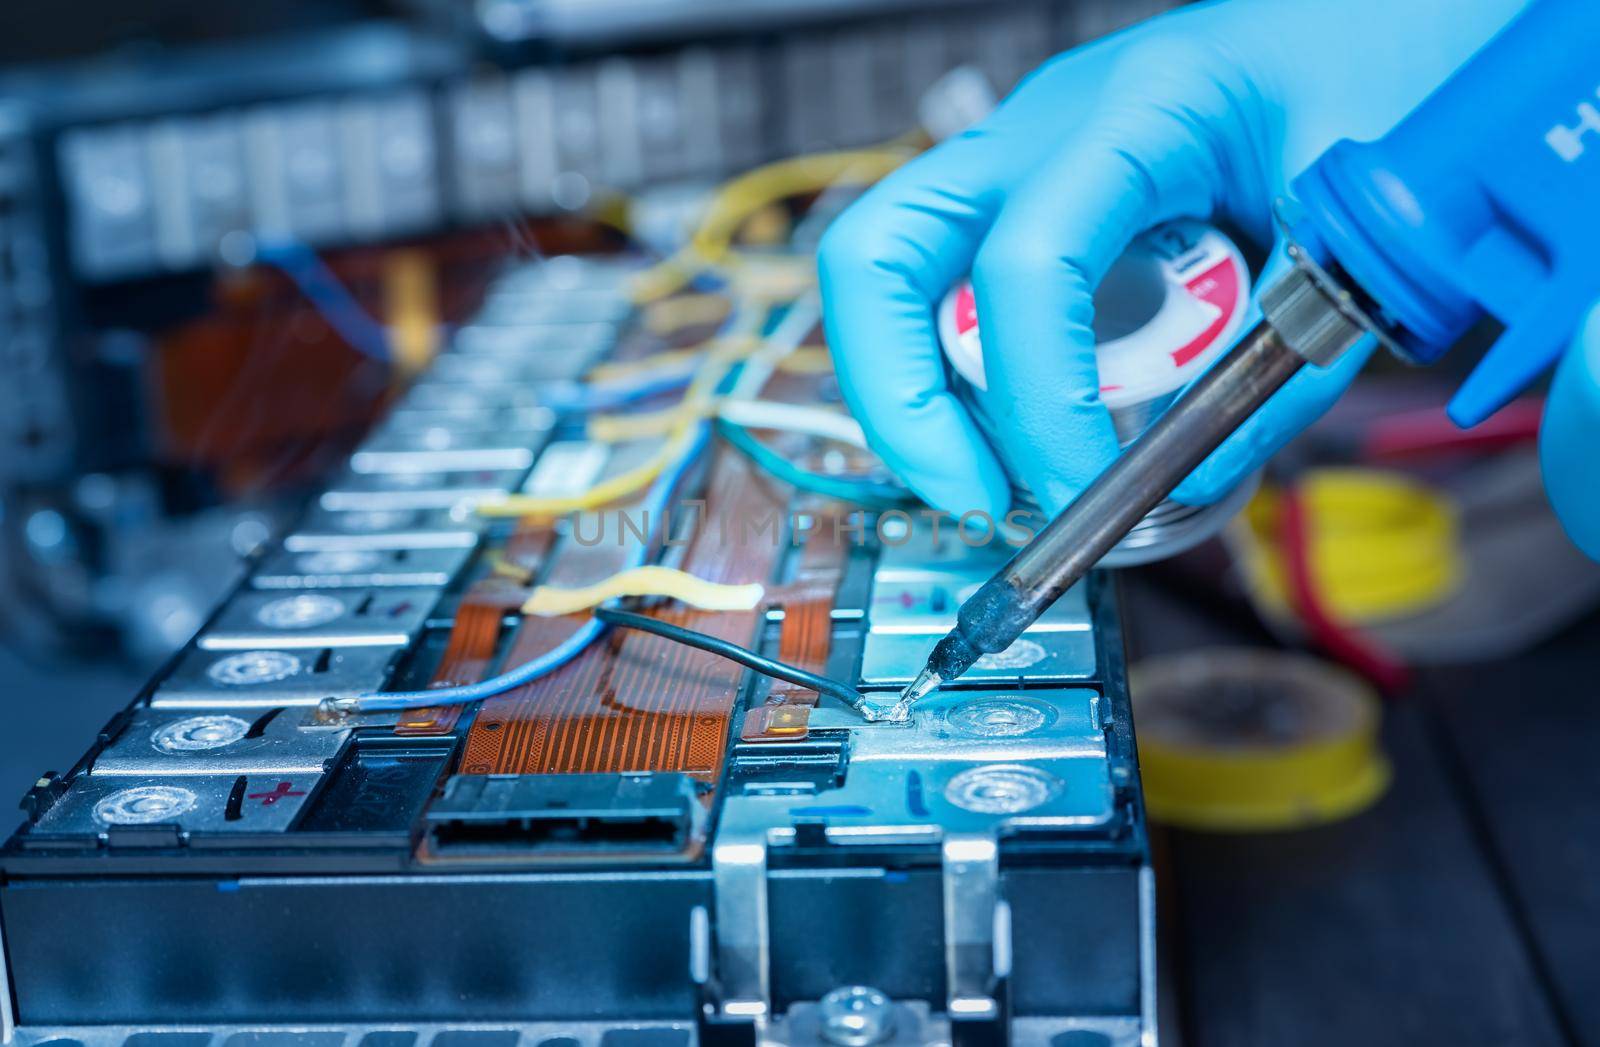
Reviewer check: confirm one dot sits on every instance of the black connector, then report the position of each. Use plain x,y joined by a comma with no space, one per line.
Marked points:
529,815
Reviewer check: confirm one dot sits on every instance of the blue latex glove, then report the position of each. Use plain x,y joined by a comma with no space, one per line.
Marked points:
1568,438
1208,111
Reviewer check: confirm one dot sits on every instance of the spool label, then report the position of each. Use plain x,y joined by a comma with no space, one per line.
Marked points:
1182,287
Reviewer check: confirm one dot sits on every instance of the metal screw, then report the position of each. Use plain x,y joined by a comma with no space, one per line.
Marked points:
856,1016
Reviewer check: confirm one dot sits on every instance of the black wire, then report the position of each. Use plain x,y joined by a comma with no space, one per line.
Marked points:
731,651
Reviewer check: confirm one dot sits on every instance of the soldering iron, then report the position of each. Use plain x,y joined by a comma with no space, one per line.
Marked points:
1483,202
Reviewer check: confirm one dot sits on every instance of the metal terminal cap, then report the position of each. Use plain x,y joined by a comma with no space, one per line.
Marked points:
1002,789
306,611
856,1016
145,805
199,734
254,667
1312,310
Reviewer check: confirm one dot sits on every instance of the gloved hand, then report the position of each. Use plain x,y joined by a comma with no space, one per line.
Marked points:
1208,111
1569,435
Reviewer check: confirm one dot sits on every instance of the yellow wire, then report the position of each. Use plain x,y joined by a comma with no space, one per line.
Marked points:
665,361
694,404
807,360
548,601
743,196
603,493
411,302
624,428
671,315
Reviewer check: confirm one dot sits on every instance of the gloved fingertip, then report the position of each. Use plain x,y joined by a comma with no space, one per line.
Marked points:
985,491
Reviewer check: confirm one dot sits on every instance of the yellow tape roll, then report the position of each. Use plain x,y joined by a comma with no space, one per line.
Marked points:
1381,545
1253,740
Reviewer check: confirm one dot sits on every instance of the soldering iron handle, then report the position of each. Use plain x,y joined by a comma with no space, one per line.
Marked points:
1480,202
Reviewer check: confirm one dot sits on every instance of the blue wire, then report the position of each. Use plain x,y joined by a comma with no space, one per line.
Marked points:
655,506
608,396
331,298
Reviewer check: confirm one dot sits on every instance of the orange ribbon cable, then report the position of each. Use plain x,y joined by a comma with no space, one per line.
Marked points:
805,641
476,632
465,660
636,702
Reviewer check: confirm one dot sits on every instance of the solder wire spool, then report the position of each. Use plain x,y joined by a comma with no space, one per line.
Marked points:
1170,305
1255,740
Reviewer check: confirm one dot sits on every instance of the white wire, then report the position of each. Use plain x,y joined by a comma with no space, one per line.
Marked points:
809,419
801,317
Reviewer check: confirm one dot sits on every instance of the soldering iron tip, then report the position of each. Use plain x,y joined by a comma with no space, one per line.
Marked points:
926,683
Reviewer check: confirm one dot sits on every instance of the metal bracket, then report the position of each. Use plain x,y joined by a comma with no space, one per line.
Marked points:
8,1017
743,944
977,927
1149,1032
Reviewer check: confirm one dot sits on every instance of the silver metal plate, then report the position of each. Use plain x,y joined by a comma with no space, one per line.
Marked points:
309,620
575,345
970,762
221,741
924,573
420,489
892,660
467,416
513,306
95,804
325,529
927,603
449,447
361,568
429,395
914,603
267,677
509,368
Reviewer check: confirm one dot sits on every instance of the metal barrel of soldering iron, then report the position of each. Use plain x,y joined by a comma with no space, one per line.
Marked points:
1169,306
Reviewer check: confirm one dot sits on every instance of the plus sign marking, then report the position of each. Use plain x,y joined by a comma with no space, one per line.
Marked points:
280,792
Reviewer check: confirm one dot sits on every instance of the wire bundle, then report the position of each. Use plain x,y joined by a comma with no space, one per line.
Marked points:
688,427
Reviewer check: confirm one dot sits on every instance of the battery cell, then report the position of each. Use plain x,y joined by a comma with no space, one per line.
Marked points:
221,803
325,529
563,350
300,621
468,417
968,762
420,489
429,395
361,568
509,368
270,677
222,741
920,584
1040,656
441,447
